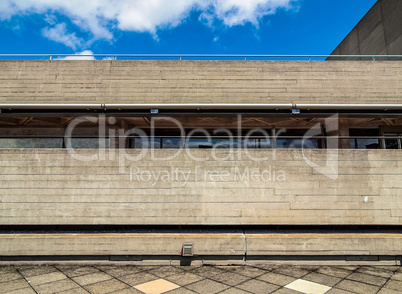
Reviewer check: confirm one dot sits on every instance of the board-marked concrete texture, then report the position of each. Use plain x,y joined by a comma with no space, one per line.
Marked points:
103,82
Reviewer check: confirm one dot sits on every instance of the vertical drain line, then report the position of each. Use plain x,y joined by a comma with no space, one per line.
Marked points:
245,248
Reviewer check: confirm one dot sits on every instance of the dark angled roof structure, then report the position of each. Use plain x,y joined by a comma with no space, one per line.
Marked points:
378,32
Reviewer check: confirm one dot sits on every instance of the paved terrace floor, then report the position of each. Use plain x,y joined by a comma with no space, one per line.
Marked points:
205,279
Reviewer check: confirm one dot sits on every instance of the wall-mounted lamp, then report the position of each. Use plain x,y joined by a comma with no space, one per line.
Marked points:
295,111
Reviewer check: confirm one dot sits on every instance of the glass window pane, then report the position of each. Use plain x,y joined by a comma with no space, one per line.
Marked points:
226,143
31,143
352,144
198,143
391,144
171,143
89,143
367,144
297,143
265,143
154,143
356,143
250,143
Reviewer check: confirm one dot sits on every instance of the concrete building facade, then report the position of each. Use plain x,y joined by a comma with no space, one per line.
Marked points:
180,161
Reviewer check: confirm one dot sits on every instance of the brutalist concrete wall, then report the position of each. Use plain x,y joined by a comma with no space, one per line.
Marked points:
379,32
206,81
249,187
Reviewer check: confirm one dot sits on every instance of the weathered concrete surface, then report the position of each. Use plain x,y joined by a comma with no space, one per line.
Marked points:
44,186
323,244
121,244
228,244
111,82
379,32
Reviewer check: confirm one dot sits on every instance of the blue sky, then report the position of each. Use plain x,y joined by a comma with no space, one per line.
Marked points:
177,26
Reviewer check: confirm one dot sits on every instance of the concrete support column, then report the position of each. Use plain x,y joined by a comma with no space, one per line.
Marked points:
119,129
123,129
342,130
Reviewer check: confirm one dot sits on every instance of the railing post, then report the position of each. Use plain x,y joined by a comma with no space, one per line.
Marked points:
373,57
115,57
50,57
245,58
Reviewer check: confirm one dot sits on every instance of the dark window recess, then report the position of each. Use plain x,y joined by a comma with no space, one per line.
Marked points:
393,143
367,143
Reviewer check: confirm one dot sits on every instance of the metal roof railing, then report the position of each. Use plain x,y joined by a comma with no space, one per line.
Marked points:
195,56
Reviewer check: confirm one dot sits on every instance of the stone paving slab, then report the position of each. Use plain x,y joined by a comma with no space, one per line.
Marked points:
279,279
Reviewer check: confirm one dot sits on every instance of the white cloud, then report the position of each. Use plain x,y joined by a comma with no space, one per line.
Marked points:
238,12
59,34
101,17
78,57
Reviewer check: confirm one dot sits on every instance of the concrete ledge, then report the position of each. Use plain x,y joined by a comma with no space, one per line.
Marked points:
235,244
120,244
324,244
